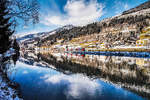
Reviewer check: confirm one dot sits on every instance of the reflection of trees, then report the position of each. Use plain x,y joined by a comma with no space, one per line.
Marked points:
129,76
15,57
118,70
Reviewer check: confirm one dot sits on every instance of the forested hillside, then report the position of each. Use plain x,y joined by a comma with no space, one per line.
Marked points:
123,29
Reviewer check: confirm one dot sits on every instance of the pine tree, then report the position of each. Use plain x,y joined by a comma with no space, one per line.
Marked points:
16,45
5,30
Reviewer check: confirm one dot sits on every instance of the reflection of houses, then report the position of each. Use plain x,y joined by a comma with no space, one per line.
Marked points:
128,60
103,62
131,77
144,37
143,62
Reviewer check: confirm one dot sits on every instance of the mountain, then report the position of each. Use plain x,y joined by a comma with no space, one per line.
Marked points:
34,37
143,6
119,30
30,36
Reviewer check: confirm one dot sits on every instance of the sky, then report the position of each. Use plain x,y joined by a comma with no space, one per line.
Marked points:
57,13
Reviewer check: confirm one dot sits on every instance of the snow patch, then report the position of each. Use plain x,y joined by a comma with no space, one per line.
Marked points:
6,92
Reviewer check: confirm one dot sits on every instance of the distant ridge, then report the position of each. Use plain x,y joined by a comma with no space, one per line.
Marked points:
30,38
145,5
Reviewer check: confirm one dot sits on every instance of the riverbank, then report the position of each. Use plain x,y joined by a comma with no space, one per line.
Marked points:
8,89
110,53
130,51
125,49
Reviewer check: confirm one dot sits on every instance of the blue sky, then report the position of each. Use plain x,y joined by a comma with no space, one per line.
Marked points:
57,13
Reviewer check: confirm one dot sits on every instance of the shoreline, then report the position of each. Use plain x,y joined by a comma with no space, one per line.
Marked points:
124,50
115,53
8,90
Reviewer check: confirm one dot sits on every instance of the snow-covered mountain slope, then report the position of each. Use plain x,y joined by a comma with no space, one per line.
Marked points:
38,36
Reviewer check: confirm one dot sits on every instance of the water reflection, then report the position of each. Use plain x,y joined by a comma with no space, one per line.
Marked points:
81,77
45,84
128,72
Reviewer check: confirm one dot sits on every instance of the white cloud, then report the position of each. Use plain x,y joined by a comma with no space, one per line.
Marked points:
78,85
126,6
120,6
25,27
25,72
81,85
78,12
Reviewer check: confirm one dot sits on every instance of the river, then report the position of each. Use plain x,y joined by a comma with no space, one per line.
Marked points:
66,76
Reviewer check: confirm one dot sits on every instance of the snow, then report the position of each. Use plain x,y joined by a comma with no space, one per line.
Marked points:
25,34
6,92
24,40
10,52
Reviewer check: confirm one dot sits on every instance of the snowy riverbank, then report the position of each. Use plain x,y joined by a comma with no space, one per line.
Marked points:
8,90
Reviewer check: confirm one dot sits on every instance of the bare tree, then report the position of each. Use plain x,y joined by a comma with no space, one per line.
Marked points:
26,10
11,11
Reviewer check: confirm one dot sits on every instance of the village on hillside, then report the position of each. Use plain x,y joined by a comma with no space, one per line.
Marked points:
94,42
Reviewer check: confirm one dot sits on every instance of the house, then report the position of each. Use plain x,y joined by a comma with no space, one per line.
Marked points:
144,37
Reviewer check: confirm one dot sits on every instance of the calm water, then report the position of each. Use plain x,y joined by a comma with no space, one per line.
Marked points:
80,77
